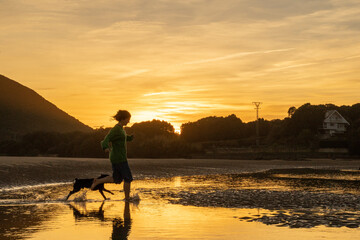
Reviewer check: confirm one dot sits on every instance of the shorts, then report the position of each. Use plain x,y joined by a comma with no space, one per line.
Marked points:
121,172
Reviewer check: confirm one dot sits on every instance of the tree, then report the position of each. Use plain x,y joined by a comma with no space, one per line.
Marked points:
151,129
306,117
213,129
291,111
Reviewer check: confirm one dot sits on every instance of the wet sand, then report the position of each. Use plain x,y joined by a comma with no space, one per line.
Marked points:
297,198
19,171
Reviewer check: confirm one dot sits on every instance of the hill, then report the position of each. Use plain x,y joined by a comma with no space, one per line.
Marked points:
22,111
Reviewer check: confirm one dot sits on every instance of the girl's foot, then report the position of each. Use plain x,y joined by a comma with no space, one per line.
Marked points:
135,198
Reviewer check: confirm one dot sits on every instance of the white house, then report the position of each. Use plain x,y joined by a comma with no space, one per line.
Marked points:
334,123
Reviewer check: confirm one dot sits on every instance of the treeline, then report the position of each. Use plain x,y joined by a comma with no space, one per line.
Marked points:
152,139
157,139
73,144
302,127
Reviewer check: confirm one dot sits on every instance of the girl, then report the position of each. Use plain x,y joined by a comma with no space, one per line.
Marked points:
115,144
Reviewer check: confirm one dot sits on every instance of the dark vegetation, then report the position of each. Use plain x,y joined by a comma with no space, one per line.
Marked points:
210,136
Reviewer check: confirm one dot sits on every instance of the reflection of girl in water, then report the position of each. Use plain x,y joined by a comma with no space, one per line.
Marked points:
115,144
121,228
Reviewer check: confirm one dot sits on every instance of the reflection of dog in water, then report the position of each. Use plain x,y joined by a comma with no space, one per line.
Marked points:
81,212
86,183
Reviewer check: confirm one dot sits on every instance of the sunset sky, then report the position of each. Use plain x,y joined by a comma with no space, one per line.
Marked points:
181,60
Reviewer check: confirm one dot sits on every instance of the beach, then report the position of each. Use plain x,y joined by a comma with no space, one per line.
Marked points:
182,199
18,171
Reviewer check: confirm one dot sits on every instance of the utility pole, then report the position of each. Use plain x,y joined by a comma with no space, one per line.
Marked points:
257,107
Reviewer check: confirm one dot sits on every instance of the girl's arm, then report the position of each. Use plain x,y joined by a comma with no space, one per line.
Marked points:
105,144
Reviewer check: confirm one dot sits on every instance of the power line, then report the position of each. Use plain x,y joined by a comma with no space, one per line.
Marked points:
257,107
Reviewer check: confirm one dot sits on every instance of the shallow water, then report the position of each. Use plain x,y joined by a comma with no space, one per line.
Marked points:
153,220
163,212
293,203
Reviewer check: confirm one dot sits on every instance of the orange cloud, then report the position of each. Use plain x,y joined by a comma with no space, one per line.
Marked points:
182,60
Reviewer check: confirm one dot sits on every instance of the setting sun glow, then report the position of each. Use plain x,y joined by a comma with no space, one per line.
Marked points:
180,61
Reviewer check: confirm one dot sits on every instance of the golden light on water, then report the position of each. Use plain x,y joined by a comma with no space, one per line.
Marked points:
177,182
162,221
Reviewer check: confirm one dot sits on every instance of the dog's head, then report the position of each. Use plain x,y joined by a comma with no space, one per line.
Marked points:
77,182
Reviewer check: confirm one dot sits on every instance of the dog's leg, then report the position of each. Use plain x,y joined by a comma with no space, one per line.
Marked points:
108,191
100,190
70,193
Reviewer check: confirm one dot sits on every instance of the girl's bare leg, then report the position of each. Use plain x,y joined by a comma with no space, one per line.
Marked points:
127,190
108,179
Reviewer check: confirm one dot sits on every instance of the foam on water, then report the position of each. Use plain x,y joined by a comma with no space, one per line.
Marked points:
23,187
81,197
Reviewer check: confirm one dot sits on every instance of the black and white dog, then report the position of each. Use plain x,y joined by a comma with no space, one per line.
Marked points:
86,183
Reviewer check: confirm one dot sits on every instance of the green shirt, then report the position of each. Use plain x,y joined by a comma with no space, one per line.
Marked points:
115,141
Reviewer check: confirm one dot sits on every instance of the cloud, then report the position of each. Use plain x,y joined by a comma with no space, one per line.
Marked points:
157,93
133,73
236,55
123,30
284,67
182,59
